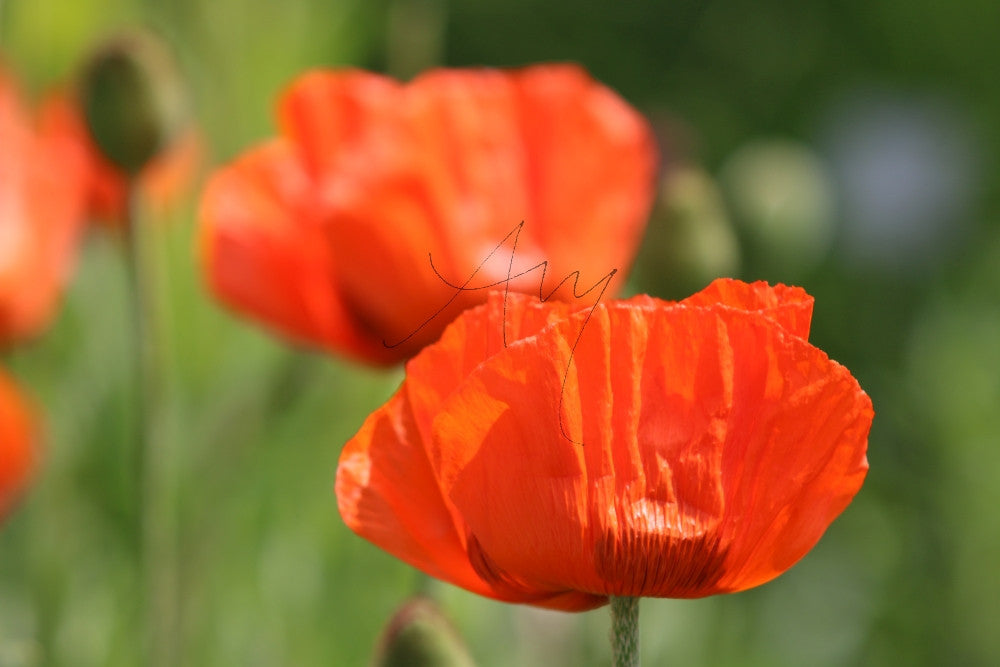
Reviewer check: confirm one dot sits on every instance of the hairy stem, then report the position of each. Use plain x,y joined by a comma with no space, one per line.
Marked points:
625,631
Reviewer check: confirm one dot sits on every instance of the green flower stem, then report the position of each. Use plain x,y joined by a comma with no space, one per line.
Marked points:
153,529
625,631
414,36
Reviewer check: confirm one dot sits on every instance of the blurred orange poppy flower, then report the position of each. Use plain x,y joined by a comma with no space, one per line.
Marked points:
42,180
676,450
16,443
324,233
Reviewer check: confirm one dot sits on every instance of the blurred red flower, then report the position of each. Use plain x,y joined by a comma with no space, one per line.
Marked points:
324,233
17,432
42,180
681,450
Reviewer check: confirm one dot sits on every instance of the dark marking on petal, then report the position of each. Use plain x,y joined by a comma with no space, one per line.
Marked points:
656,565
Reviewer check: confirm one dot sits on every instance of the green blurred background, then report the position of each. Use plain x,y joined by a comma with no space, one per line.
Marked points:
849,147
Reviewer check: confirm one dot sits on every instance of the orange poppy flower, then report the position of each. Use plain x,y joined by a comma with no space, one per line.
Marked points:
16,443
42,176
324,233
669,450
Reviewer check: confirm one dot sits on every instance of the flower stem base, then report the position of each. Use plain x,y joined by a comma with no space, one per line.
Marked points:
625,631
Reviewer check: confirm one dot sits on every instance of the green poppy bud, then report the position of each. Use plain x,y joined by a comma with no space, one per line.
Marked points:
132,98
690,240
704,245
782,194
419,635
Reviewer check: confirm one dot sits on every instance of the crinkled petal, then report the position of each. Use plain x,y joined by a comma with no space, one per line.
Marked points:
387,487
791,307
387,492
470,340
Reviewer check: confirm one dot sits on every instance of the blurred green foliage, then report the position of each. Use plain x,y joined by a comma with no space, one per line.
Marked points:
265,573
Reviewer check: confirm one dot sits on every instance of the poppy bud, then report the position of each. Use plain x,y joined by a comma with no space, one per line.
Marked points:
690,233
132,98
705,246
781,192
419,635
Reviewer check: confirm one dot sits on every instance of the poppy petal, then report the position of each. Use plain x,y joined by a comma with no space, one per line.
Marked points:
42,178
800,458
17,455
592,167
405,291
470,340
387,489
534,480
326,114
267,255
791,307
387,492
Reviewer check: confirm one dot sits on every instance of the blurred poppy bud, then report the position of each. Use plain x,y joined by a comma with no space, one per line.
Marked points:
782,194
691,239
132,98
419,635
